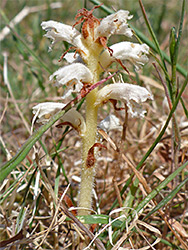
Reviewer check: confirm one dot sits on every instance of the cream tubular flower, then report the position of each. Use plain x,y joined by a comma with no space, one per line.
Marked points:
133,52
76,120
44,111
63,32
131,95
115,24
74,75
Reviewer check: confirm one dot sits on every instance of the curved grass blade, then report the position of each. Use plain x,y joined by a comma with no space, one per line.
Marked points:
163,184
167,198
22,153
152,33
10,189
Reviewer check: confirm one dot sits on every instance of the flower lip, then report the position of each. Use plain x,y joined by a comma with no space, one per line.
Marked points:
62,32
115,24
75,74
59,31
73,58
45,110
133,52
131,95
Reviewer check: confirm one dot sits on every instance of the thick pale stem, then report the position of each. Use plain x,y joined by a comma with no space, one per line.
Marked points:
87,174
88,140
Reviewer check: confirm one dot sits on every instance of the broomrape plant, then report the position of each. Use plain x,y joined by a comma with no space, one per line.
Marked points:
92,57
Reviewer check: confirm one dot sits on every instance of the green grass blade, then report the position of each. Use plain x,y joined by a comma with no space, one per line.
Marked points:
131,195
21,219
152,33
167,198
98,219
184,108
28,187
40,62
57,178
60,164
103,7
164,68
180,31
63,169
174,48
173,246
94,219
144,39
156,141
161,17
154,192
10,189
22,153
163,184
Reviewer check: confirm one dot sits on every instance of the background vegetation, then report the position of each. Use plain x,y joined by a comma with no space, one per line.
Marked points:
32,212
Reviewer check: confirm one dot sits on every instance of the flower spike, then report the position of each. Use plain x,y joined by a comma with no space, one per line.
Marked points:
82,76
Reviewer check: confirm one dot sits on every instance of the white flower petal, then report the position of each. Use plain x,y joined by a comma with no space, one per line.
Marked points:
109,123
45,110
62,32
73,75
131,95
115,24
134,52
